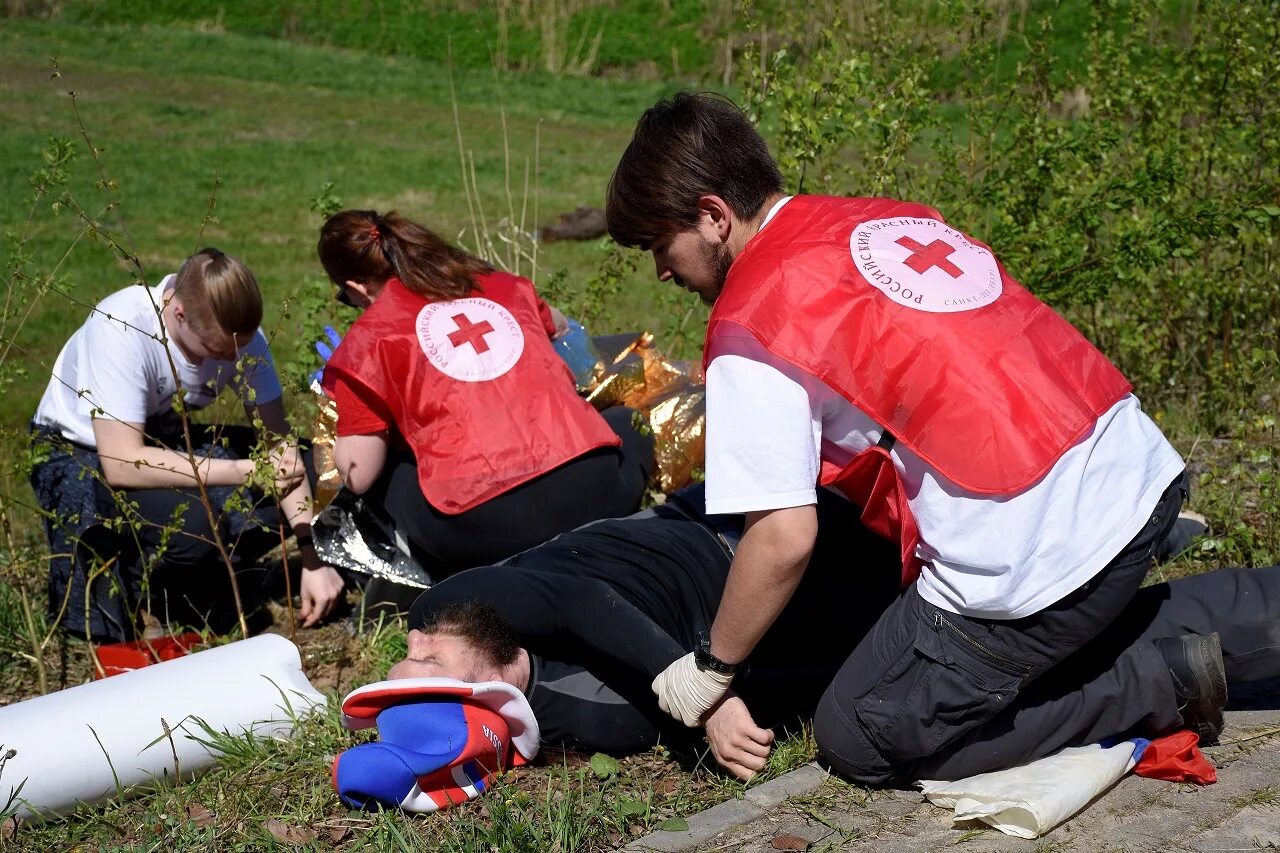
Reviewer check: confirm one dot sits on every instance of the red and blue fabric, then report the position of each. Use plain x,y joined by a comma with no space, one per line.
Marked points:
440,742
1174,758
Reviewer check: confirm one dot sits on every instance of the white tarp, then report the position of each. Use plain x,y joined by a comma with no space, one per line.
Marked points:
1030,800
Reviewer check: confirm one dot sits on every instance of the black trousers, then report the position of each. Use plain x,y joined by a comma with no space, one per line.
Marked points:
188,579
604,608
929,694
604,483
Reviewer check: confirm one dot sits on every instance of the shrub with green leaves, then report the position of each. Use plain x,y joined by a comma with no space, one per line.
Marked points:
1119,157
1129,178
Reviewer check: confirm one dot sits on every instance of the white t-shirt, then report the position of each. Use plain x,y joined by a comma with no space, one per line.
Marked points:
770,423
114,367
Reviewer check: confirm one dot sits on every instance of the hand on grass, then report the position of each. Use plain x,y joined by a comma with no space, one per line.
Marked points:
321,589
739,745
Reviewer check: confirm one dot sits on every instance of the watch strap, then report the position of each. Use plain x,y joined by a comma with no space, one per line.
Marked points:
705,660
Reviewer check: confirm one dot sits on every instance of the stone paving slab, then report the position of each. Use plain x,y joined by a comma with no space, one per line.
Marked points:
1240,812
757,802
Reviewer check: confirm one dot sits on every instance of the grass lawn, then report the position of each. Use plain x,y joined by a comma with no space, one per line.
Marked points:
579,36
175,111
267,795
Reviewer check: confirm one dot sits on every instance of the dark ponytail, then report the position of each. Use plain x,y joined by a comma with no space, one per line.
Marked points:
363,246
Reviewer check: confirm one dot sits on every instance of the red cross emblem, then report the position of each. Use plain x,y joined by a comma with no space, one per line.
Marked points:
935,254
470,333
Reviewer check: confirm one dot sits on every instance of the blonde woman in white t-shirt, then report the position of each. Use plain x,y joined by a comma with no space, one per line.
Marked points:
109,418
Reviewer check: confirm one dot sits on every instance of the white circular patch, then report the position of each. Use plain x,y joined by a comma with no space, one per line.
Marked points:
925,265
471,340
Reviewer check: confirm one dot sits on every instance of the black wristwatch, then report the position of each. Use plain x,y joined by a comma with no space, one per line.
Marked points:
307,551
705,660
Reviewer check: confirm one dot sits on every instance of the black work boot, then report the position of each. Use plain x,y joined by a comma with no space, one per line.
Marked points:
1199,679
1188,527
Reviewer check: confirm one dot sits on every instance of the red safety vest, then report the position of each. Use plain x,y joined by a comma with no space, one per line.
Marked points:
474,387
918,326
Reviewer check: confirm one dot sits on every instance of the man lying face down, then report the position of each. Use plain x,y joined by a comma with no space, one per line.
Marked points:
582,625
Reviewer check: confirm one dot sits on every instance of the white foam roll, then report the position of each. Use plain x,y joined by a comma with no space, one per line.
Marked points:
63,740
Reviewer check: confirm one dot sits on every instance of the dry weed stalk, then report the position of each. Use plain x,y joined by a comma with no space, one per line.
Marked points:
510,243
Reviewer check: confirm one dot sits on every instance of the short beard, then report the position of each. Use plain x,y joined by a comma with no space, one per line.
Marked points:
719,258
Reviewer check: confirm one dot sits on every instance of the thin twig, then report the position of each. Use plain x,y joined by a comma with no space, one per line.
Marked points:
537,175
1275,730
462,155
177,766
506,183
288,583
106,183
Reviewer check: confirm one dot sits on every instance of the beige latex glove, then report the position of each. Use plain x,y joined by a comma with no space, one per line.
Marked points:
687,692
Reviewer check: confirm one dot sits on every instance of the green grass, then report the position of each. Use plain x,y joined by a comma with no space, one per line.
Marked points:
1259,798
175,110
263,793
537,33
543,32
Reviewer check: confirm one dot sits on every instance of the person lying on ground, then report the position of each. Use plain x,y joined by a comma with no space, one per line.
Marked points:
109,422
592,616
597,611
455,415
865,345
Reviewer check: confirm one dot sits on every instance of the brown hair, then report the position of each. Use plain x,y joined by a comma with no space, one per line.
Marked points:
480,624
360,245
693,145
218,294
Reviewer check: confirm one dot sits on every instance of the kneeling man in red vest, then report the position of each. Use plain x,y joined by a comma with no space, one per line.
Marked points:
864,345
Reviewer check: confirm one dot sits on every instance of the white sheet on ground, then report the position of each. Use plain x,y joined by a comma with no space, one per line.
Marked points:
1030,800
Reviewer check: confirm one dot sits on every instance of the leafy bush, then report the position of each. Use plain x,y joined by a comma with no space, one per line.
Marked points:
1132,184
1121,160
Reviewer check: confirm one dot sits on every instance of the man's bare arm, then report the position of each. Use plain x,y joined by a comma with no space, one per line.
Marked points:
771,559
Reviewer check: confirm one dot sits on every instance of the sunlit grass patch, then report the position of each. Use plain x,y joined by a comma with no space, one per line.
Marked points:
267,792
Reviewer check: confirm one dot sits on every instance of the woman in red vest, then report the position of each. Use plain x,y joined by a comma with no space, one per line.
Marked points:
455,413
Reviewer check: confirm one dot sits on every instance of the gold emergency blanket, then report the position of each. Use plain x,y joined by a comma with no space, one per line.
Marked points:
348,534
670,395
328,480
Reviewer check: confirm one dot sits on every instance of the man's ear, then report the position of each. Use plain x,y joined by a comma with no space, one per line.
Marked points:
715,213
